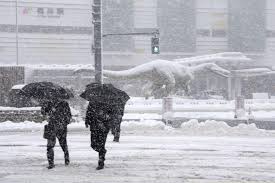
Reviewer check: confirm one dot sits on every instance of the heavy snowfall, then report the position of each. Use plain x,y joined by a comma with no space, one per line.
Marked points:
149,151
132,91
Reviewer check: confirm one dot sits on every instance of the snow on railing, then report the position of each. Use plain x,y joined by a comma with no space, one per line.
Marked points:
190,102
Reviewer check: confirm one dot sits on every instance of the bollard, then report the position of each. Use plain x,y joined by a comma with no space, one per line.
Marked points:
167,109
250,117
239,107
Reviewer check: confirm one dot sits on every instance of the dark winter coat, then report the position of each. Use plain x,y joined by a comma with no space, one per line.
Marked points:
120,108
59,116
99,117
118,116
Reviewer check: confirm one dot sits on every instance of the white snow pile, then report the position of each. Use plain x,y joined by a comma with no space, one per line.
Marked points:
144,126
193,128
27,125
220,128
33,126
154,127
20,109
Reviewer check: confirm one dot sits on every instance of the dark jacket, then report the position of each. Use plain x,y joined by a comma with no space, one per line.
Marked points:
99,117
59,113
120,108
99,114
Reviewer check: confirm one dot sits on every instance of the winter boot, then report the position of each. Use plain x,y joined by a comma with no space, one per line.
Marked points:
67,162
100,165
51,166
101,161
116,136
51,163
116,139
50,156
67,159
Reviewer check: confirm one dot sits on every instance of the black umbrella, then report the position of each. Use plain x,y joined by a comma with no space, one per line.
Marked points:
46,90
105,93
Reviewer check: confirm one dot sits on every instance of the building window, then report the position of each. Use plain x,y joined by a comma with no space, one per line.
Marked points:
270,33
60,11
50,11
40,11
212,18
116,1
145,14
27,10
270,16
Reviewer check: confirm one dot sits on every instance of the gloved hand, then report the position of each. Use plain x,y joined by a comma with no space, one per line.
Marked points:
87,125
46,118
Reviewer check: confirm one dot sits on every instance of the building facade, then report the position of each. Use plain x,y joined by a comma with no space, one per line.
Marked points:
60,31
46,32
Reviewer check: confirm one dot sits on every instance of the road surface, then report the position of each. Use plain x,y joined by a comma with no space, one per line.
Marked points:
140,159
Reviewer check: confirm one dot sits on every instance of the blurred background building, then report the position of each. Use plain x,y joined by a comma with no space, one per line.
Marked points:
60,31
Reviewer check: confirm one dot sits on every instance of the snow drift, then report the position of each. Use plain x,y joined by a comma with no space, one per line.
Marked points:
154,127
220,128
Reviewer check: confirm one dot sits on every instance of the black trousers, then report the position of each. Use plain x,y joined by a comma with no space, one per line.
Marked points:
116,127
99,133
61,135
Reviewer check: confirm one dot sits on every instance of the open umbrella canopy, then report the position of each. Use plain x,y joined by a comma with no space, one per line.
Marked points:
105,93
46,90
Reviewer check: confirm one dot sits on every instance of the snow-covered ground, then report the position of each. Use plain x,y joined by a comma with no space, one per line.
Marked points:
149,151
259,115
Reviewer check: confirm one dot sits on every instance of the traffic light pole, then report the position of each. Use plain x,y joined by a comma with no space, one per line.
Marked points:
154,40
97,47
155,33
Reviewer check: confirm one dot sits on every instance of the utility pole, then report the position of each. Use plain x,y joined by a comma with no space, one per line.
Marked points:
16,31
97,47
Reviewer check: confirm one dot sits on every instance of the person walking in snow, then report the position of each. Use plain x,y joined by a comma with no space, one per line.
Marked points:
102,112
99,119
59,116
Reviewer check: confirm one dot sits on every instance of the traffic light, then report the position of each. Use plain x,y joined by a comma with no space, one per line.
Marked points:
155,45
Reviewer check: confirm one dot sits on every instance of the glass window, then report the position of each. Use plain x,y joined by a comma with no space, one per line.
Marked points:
270,17
50,11
203,20
60,11
203,4
209,4
219,21
40,11
270,21
270,33
212,15
220,4
270,4
145,14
